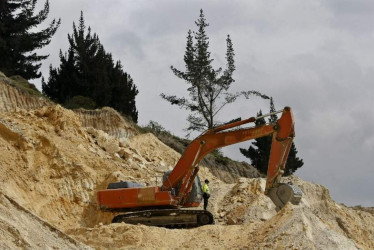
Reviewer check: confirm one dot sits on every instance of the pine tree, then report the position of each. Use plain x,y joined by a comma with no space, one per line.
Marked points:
273,118
17,42
208,87
293,162
89,78
259,151
123,92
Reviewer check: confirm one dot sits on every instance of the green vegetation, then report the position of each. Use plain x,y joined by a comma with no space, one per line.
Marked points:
22,84
174,142
89,78
208,87
79,101
17,42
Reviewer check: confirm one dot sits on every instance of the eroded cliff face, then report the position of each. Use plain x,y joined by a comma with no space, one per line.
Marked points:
13,97
107,120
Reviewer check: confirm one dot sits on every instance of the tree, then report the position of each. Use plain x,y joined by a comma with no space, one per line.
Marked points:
88,76
17,42
259,151
293,162
208,87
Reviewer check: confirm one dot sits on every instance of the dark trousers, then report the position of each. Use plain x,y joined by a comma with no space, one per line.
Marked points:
206,198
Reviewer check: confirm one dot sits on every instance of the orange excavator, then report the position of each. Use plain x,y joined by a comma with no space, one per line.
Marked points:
181,187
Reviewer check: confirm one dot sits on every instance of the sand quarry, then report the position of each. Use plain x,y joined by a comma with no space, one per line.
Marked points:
52,167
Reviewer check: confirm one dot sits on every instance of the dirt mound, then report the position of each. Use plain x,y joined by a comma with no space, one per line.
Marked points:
52,167
317,222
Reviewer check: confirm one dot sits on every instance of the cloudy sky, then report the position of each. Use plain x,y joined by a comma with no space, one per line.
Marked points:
316,56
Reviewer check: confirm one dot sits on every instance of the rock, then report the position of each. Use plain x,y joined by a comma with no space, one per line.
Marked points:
124,153
231,221
147,159
107,142
138,158
241,180
91,131
82,148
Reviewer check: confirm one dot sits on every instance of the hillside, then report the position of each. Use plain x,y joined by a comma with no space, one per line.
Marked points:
53,162
18,93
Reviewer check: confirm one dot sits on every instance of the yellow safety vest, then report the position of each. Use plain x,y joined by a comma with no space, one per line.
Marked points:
206,188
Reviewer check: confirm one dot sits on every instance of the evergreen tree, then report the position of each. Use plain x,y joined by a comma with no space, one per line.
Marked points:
17,42
259,151
273,118
88,76
208,87
293,162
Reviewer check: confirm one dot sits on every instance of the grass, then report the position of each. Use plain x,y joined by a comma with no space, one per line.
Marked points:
23,85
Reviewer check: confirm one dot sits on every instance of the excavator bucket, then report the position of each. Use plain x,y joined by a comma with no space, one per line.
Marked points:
281,193
285,193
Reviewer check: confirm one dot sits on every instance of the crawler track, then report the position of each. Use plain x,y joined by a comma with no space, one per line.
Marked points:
170,218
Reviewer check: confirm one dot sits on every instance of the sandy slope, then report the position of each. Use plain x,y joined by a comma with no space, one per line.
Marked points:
317,223
53,167
19,228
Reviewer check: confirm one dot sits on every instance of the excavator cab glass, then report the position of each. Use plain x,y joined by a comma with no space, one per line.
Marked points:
196,193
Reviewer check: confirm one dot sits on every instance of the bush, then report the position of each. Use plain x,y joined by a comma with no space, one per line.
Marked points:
21,83
155,128
79,101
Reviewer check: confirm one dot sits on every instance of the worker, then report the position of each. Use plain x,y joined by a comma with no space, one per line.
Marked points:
206,193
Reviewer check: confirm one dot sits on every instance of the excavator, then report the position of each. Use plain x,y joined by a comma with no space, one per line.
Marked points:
166,205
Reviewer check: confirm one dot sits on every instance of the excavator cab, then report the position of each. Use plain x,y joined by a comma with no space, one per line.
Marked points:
196,194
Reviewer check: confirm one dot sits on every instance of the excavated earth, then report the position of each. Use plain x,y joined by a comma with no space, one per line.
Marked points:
53,162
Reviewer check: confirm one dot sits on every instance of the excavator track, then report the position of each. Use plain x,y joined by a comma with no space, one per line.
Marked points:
285,193
170,218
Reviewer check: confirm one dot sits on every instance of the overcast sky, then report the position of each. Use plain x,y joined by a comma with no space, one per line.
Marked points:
316,56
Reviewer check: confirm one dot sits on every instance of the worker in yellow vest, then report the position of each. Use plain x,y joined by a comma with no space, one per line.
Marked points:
206,193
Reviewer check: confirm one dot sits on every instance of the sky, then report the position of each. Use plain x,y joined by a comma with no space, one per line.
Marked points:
316,56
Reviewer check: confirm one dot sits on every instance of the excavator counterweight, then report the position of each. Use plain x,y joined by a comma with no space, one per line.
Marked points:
160,206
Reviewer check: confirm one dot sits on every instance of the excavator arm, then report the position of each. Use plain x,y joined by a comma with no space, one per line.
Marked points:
283,133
